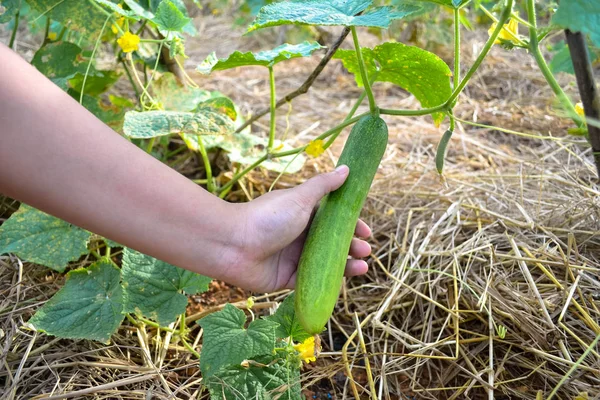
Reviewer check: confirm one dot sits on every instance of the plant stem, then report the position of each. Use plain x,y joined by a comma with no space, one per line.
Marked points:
13,35
534,48
150,145
46,31
363,72
456,47
89,66
225,188
272,108
133,85
350,114
210,185
190,348
484,52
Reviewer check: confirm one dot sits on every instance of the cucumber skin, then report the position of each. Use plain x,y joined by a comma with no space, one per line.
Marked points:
323,260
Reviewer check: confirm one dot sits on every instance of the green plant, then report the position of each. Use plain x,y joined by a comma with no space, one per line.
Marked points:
324,256
146,39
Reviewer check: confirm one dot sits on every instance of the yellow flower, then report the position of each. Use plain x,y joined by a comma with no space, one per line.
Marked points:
307,349
52,36
119,24
315,148
129,42
508,32
579,109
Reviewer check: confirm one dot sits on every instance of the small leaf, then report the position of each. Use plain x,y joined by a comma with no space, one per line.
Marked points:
138,9
327,12
111,114
262,379
222,105
170,18
440,154
150,124
289,326
579,16
227,342
266,58
119,10
71,14
177,97
245,148
59,61
43,239
97,82
89,306
418,71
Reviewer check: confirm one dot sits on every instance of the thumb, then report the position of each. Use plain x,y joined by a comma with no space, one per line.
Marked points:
315,188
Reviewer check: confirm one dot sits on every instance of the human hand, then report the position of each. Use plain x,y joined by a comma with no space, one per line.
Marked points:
274,229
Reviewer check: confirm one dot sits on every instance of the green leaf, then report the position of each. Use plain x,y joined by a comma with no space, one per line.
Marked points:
144,125
323,12
266,58
138,9
169,17
89,306
43,239
59,61
111,114
8,10
561,61
418,71
580,16
154,289
96,83
227,342
289,326
116,9
72,14
245,148
264,379
177,97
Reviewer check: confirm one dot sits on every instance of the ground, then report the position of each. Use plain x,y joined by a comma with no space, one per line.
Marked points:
510,227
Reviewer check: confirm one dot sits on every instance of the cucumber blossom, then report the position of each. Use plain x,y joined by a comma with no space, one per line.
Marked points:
323,260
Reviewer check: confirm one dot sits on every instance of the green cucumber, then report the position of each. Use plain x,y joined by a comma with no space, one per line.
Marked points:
323,260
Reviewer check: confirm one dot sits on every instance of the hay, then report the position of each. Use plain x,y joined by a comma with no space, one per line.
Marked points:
483,284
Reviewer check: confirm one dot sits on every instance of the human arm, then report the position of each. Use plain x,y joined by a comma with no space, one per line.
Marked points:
58,157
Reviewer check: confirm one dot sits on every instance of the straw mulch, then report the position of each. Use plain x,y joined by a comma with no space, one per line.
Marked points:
483,283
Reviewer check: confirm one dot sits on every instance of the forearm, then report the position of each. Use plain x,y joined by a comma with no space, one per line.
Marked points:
58,157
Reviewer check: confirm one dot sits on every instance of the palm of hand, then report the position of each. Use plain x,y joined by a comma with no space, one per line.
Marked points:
275,231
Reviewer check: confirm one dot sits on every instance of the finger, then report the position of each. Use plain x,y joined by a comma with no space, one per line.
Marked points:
356,267
362,229
313,190
359,248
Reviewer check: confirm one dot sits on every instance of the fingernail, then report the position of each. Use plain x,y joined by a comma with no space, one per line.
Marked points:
342,170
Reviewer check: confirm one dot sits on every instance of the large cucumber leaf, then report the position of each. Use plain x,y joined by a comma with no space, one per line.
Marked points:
580,16
89,306
329,12
266,58
149,124
77,15
173,96
227,342
155,289
418,71
169,17
264,378
43,239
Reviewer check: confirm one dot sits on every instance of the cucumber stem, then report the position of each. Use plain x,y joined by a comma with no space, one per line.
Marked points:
363,72
210,184
484,52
